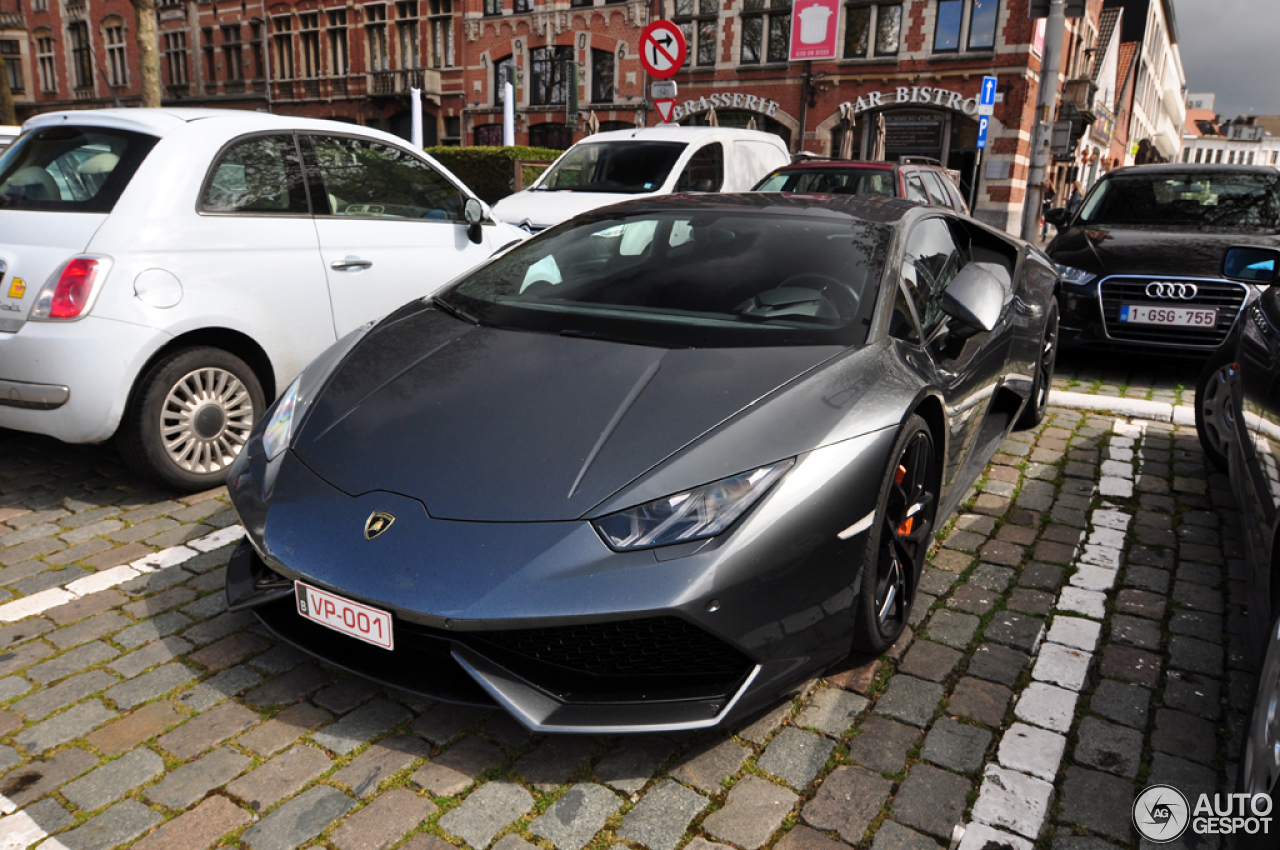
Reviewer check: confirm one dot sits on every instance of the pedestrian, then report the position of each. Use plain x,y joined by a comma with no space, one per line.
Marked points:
1075,201
1049,197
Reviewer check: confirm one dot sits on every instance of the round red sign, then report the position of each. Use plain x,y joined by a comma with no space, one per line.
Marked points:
662,49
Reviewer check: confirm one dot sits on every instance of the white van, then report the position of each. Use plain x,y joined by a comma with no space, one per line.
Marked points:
608,168
8,132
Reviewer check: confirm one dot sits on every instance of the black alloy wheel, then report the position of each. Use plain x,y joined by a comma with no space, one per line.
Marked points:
899,539
1216,407
1046,362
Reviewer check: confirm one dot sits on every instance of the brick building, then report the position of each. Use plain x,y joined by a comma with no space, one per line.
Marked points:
916,63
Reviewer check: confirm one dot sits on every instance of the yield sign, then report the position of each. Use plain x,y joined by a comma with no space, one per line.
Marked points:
665,106
662,49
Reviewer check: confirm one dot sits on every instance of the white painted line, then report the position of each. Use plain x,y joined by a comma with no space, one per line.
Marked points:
1012,800
1062,666
6,805
38,603
1159,411
979,836
1032,750
19,831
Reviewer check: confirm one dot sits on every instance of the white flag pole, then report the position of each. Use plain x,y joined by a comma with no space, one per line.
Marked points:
508,114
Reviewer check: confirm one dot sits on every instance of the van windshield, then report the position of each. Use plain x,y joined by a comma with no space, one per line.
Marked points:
1191,200
70,169
627,168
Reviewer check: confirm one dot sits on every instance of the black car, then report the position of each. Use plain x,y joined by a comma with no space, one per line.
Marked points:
1238,421
652,467
1141,261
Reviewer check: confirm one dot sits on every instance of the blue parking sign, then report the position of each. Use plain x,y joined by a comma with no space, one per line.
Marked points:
983,123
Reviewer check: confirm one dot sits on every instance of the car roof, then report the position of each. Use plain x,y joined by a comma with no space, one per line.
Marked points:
232,122
825,164
676,133
873,208
1184,167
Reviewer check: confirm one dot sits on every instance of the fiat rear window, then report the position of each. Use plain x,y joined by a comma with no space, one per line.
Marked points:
70,169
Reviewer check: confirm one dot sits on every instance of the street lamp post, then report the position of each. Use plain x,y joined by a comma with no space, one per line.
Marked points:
1041,131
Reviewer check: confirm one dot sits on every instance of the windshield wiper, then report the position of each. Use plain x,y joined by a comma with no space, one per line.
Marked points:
604,337
456,312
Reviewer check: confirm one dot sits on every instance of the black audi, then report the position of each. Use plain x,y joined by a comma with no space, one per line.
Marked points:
652,467
1141,262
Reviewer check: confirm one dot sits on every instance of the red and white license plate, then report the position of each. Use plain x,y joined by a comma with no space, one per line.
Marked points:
1184,317
342,615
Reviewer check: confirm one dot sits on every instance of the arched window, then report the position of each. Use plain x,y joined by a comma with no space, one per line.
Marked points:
503,71
117,63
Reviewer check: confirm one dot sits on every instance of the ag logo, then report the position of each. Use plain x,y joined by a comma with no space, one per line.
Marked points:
1161,814
378,522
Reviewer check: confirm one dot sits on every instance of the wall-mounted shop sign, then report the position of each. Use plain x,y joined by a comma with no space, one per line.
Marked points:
1104,127
725,100
916,96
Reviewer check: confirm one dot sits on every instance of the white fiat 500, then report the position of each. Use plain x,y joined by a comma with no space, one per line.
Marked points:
165,273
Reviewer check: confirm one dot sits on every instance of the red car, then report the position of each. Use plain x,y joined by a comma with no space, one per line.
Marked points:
925,184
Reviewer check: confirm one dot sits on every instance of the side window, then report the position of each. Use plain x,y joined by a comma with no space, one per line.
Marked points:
368,179
932,262
902,325
258,175
915,189
705,171
937,192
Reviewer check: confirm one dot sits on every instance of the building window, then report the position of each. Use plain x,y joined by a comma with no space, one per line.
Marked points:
40,5
175,57
81,60
549,75
699,19
493,7
442,33
556,136
954,16
339,61
522,5
376,27
503,71
489,135
255,48
602,76
206,50
12,52
232,53
766,31
283,42
44,60
407,34
581,2
862,20
309,24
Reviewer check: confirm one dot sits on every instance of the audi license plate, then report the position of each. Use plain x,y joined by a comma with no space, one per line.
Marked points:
342,615
1151,314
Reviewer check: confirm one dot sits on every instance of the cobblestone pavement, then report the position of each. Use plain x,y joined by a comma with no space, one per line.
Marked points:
1080,638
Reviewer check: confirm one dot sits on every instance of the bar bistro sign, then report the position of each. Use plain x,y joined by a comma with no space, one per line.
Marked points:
725,100
915,96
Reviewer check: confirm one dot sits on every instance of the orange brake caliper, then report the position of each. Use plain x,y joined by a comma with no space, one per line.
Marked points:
904,527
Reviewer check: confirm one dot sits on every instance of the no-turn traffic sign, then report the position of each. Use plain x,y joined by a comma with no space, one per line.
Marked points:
662,49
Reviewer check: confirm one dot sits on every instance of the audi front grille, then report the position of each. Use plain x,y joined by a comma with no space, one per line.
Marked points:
1222,295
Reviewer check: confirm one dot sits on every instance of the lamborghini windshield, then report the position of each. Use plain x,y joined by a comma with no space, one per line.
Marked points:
687,278
1191,200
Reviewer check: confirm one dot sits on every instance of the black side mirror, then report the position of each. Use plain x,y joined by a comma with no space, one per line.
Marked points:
976,297
473,211
1250,265
703,185
1057,217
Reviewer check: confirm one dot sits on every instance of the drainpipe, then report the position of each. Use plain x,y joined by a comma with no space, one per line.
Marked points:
266,52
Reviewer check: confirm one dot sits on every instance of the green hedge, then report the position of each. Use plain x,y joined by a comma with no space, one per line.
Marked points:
490,172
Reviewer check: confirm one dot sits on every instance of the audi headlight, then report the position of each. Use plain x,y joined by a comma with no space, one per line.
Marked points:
279,429
692,515
1074,276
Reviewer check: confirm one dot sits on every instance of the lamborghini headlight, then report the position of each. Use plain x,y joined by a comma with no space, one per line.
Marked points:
692,515
279,429
1074,276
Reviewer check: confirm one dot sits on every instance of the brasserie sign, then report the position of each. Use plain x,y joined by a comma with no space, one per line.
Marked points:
725,100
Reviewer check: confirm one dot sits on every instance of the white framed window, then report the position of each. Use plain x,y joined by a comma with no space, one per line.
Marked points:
117,62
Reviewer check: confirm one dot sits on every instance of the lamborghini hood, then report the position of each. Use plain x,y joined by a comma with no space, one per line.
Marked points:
496,425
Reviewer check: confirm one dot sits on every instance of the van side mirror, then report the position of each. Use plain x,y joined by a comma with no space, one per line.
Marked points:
1250,265
703,185
976,297
473,212
1057,217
